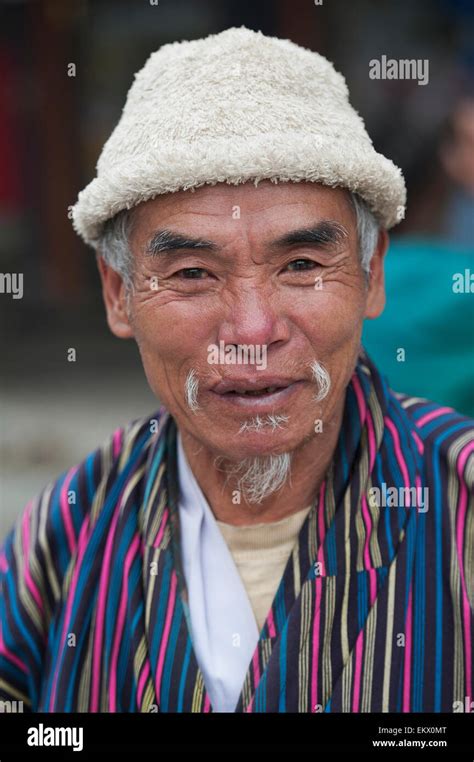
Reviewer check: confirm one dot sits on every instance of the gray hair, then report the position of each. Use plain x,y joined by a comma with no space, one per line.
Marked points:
367,231
113,244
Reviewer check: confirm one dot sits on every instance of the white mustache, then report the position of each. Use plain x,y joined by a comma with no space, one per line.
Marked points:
320,377
191,389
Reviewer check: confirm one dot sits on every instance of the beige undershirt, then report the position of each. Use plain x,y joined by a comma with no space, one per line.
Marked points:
261,552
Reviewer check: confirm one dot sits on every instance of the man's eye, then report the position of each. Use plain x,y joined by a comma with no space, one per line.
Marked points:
191,273
301,264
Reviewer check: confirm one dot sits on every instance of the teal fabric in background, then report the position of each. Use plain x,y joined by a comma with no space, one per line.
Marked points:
425,317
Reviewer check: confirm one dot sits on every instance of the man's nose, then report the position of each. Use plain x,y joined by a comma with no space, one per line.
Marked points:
253,317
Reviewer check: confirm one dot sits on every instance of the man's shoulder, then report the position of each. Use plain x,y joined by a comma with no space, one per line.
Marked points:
432,419
54,518
49,541
127,444
112,456
443,433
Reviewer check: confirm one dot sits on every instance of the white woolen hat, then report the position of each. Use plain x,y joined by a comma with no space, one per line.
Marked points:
233,107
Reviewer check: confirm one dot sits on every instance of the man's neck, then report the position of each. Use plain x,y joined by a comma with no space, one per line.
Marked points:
309,464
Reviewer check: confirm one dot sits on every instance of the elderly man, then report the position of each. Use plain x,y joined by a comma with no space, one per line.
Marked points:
285,534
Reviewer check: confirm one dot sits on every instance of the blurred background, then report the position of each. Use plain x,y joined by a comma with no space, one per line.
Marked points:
53,127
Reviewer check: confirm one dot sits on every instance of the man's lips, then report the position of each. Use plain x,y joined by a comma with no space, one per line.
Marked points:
261,395
257,385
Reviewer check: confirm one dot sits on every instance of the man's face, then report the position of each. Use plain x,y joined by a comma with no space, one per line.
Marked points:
295,301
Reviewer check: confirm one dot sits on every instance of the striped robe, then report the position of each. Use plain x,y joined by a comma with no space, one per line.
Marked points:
374,611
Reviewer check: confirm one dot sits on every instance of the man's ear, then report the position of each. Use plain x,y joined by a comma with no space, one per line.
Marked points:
115,300
376,291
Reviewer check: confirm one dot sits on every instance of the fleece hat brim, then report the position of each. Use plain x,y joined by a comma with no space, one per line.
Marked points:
234,107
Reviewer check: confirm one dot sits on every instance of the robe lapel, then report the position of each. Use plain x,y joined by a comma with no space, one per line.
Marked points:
169,679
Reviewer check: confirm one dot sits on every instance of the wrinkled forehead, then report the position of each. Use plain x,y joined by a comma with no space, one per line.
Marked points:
222,210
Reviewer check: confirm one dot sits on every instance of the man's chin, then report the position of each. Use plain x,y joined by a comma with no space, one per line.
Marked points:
235,444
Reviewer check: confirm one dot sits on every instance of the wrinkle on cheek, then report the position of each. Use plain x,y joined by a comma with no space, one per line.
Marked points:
160,296
346,285
346,268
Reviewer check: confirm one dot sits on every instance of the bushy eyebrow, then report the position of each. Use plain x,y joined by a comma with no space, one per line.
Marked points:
323,234
164,241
